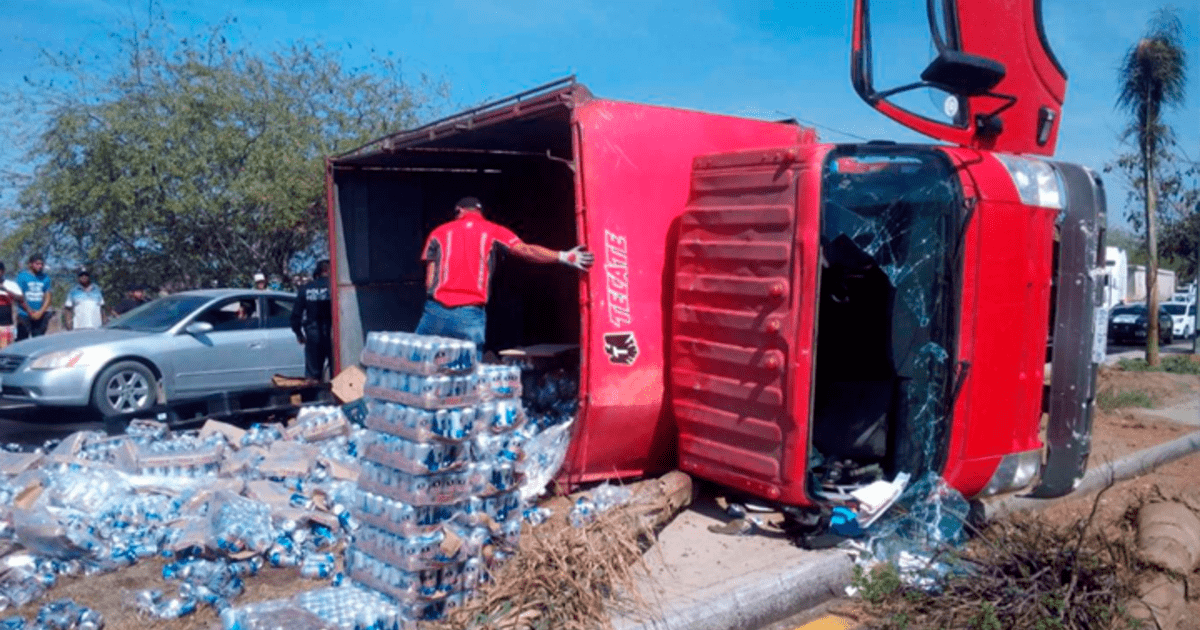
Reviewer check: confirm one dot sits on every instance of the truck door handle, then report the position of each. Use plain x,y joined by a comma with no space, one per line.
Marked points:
256,345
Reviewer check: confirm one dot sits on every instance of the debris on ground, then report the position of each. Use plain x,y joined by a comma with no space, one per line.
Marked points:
572,574
1028,571
431,487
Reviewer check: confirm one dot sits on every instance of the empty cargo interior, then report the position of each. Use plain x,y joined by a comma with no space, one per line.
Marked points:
887,318
389,200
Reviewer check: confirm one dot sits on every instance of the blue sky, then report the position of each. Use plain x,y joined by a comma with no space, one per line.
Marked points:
760,59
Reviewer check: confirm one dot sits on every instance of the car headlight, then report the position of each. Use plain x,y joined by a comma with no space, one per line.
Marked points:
60,359
1036,181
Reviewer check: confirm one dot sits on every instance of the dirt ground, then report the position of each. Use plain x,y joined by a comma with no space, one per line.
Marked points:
113,595
1116,433
1120,432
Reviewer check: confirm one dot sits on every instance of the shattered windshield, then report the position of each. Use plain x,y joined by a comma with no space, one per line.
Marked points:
892,223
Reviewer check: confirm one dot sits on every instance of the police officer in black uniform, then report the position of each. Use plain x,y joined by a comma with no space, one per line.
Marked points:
312,321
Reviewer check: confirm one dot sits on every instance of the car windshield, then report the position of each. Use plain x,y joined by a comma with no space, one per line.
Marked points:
1175,309
160,314
1132,309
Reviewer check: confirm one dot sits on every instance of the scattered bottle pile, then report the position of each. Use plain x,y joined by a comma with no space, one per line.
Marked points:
439,480
109,502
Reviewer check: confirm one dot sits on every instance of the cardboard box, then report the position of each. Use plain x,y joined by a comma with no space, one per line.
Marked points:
309,430
347,386
17,463
339,469
232,434
272,493
145,459
290,382
288,459
243,459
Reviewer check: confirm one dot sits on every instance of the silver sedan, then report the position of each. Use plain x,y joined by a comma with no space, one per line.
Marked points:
174,348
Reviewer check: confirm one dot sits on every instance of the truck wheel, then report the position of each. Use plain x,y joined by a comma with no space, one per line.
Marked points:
124,387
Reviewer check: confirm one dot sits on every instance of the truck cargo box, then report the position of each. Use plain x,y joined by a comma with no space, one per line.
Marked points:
559,167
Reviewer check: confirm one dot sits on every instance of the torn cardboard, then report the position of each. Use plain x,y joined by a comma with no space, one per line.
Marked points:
347,386
243,459
288,459
232,434
17,463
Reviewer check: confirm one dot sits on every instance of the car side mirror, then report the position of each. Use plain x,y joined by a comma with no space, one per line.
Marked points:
198,328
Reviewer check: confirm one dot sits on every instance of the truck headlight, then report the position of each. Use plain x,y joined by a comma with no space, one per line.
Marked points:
60,359
1016,470
1036,181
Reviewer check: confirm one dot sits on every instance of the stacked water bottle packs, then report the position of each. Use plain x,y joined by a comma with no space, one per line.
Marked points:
439,481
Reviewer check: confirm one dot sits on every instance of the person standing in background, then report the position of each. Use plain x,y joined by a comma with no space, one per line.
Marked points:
35,313
84,306
10,298
135,296
260,281
312,321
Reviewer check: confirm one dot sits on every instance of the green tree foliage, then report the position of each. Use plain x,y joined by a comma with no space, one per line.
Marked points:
195,159
1181,234
1152,78
1177,193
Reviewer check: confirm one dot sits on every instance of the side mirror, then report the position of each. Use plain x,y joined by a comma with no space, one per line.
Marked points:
963,73
198,328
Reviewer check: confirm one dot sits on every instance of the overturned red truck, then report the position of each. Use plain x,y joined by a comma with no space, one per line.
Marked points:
785,317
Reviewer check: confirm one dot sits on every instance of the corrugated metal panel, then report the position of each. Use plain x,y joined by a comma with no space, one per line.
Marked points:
634,166
732,322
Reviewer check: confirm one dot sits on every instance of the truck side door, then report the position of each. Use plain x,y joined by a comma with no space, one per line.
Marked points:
1003,87
743,317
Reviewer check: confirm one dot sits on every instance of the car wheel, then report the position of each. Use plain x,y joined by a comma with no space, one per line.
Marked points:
124,387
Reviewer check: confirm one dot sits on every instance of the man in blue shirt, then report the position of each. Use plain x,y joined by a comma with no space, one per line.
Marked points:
35,310
83,308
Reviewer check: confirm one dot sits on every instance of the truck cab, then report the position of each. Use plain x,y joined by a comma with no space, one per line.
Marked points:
939,308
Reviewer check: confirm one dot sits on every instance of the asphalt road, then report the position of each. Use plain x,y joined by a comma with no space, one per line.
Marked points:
29,426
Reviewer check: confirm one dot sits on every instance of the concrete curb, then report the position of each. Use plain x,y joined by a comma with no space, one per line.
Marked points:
1128,467
757,599
764,597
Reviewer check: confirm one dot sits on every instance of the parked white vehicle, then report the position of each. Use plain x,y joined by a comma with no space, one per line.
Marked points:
1183,316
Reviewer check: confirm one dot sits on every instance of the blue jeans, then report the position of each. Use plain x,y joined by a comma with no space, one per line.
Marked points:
462,322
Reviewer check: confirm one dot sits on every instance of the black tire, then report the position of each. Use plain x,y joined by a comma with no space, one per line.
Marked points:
124,387
1169,338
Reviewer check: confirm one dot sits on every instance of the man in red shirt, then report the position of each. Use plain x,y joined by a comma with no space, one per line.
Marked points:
459,257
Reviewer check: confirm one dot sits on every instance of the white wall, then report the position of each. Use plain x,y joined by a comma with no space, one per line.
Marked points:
1137,284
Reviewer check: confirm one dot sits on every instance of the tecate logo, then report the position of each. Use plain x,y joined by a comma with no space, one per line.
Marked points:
616,276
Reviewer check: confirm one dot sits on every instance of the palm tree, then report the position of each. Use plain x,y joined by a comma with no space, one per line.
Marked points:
1152,77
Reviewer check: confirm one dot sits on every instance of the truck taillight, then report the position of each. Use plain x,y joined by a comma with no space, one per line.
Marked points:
1016,471
1037,182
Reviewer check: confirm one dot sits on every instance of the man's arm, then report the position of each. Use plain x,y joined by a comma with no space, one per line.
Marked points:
68,316
46,295
577,257
23,304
